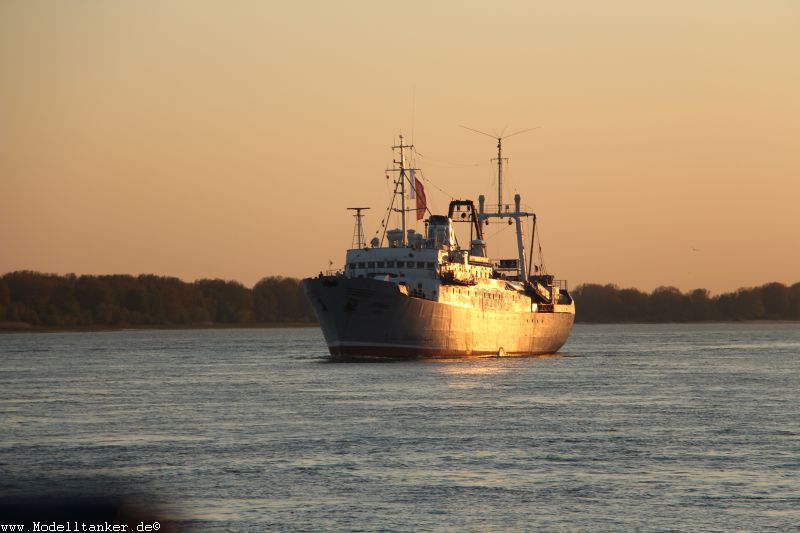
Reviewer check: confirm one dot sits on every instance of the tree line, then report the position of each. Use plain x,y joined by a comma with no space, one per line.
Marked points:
51,300
609,303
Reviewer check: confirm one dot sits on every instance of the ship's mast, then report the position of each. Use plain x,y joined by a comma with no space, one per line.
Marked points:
359,242
500,174
402,164
517,215
500,158
402,170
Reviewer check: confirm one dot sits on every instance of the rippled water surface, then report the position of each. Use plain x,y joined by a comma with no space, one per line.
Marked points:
662,427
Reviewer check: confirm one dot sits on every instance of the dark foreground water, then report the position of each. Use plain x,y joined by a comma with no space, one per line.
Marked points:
661,427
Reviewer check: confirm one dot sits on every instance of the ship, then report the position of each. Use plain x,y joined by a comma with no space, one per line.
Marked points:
411,295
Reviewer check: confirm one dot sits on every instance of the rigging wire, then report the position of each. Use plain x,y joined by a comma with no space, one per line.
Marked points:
501,136
419,171
530,252
428,181
385,220
542,267
413,110
441,163
498,232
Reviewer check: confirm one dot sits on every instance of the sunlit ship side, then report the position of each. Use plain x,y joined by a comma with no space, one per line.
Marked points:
426,296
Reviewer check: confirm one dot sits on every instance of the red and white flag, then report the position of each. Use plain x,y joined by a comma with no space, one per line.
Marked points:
422,203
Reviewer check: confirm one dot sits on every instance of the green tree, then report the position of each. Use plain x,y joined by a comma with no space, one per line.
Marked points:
668,304
700,305
5,299
777,300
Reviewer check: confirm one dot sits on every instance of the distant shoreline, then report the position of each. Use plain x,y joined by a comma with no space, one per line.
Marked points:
33,301
17,327
22,327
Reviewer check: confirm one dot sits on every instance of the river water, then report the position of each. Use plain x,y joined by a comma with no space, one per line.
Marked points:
648,427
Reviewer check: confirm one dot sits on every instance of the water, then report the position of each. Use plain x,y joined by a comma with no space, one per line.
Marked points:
662,427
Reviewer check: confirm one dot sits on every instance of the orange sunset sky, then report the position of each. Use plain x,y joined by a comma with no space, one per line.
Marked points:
225,139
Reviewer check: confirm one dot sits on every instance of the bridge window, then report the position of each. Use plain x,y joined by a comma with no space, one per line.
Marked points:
430,265
370,264
380,264
420,264
400,264
390,264
362,265
352,266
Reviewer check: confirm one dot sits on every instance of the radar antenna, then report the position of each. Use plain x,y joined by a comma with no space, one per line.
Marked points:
500,158
359,242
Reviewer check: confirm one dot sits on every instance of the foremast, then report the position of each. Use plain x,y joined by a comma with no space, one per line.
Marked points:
401,169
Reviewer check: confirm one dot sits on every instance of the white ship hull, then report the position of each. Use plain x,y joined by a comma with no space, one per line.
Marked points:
367,318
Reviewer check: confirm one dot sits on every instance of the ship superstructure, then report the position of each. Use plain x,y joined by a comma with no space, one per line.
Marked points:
410,294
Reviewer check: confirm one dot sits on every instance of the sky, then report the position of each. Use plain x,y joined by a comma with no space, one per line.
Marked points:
203,139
